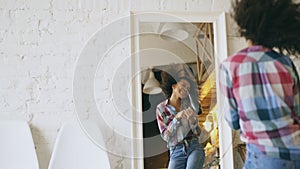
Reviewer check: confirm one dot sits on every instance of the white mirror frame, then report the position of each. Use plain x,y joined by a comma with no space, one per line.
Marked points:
220,50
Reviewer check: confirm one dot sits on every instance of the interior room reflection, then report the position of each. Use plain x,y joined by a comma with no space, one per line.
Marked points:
176,43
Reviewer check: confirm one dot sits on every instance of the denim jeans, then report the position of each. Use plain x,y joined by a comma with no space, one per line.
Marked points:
255,159
187,157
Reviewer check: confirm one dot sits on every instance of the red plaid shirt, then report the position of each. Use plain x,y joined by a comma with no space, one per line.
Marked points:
260,89
172,130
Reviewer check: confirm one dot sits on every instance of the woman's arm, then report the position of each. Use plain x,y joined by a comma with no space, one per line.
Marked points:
228,105
167,124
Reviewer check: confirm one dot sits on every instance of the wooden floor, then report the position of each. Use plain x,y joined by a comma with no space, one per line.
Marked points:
157,162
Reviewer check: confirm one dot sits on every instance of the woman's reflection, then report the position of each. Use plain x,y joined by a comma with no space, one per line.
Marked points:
177,120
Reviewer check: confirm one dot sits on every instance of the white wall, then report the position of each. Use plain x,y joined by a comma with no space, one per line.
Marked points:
40,41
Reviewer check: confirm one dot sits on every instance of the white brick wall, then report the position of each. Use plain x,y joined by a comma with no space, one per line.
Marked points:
40,41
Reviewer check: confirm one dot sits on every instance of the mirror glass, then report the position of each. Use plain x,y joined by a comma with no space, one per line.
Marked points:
165,44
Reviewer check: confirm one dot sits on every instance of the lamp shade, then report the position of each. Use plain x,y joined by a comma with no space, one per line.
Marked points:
173,32
152,85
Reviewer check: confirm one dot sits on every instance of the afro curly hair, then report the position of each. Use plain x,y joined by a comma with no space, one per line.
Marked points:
270,23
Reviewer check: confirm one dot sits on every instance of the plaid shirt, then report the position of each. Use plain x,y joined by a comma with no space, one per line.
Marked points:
172,130
261,97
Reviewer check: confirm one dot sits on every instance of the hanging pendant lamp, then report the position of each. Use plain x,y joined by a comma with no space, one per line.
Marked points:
152,85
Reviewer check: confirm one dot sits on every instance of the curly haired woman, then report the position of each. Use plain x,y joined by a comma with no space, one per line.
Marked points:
177,120
260,83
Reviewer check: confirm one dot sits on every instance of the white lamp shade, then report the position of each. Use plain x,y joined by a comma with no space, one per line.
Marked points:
173,32
152,85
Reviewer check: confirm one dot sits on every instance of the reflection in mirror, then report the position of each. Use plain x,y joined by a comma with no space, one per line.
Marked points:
164,44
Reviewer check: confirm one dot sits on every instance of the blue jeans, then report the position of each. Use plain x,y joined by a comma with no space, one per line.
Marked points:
255,159
187,157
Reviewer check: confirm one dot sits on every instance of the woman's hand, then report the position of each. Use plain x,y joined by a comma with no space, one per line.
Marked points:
191,115
181,115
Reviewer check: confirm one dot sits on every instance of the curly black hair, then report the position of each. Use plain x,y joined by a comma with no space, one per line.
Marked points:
166,83
174,74
270,23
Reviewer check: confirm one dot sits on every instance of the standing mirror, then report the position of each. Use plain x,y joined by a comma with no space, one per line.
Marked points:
193,40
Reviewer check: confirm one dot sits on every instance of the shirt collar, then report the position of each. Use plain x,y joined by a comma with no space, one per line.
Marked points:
256,48
167,101
169,106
